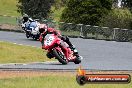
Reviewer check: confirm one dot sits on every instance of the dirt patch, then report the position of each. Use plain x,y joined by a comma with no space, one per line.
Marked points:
10,27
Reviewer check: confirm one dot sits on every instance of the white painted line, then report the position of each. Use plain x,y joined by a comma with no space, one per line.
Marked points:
20,44
25,45
113,41
50,61
24,64
46,62
8,16
14,43
11,64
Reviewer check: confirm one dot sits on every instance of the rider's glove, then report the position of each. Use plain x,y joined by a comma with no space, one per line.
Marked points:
23,25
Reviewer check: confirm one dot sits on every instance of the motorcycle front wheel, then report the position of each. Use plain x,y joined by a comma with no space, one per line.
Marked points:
35,37
60,56
27,34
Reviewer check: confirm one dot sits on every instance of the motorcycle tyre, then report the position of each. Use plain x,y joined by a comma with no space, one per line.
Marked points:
57,56
77,60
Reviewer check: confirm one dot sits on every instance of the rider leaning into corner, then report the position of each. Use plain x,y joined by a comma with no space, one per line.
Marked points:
26,18
26,21
44,30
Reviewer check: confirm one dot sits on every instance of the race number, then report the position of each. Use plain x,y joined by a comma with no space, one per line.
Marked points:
48,40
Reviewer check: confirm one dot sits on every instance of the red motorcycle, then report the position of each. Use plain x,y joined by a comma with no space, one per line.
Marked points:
52,43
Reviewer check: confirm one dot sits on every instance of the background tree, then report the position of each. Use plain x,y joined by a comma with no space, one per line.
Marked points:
115,3
117,18
59,3
86,11
127,4
35,8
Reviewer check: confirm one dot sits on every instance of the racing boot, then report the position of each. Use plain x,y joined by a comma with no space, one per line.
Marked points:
73,48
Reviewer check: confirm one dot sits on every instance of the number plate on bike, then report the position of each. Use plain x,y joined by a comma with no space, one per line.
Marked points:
48,40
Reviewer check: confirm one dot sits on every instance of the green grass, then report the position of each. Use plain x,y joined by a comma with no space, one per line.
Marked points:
12,53
68,33
52,81
8,20
8,7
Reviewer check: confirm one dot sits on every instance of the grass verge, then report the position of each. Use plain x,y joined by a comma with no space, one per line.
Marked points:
68,33
52,80
8,20
12,53
8,7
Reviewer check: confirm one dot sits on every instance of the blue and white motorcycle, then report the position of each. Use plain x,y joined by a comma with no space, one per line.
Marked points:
31,29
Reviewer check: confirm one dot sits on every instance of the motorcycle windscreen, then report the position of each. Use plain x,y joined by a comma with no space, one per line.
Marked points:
34,28
33,24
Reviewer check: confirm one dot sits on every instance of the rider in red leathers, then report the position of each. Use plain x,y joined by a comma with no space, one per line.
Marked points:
44,30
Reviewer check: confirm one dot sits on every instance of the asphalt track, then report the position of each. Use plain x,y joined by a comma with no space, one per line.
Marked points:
98,54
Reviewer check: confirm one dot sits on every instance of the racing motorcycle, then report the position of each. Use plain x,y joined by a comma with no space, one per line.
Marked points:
31,30
51,43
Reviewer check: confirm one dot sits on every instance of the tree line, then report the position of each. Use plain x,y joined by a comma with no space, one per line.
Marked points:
89,12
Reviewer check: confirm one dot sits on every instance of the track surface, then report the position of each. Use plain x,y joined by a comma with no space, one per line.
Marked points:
98,54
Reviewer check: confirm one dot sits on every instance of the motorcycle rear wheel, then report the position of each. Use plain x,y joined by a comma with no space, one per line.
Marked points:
60,57
77,60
